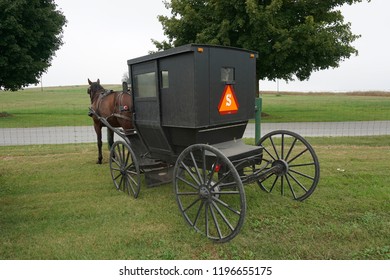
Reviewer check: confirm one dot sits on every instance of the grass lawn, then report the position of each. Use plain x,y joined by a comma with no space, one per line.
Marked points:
56,203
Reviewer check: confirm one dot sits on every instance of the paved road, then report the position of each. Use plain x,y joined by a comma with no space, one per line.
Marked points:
86,134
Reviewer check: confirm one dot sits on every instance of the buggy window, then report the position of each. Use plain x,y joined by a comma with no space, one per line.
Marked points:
145,84
164,79
227,74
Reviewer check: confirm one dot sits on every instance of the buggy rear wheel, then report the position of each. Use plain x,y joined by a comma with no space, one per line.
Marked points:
297,167
209,192
124,167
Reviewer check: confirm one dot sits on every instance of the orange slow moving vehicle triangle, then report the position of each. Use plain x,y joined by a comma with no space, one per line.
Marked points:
228,103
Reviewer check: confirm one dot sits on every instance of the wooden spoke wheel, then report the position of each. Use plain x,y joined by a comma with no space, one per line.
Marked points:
124,167
209,192
296,165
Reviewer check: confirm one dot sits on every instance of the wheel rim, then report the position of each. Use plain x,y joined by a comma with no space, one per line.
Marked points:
295,162
209,192
125,169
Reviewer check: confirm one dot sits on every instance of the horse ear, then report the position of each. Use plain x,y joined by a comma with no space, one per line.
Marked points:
89,81
98,81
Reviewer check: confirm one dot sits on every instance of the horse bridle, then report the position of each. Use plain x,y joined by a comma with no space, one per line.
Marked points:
93,94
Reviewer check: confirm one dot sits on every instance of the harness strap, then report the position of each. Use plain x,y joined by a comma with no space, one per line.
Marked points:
120,116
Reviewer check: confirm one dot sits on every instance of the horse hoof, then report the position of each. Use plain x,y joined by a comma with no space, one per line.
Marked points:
99,162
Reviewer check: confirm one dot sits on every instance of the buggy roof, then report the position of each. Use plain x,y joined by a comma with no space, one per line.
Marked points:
181,49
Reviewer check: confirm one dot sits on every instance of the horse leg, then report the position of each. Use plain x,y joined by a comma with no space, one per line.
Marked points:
110,138
98,130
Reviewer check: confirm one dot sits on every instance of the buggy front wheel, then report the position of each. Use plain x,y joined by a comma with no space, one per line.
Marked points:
209,192
124,168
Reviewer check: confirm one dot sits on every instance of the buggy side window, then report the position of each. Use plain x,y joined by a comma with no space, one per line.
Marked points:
164,79
145,84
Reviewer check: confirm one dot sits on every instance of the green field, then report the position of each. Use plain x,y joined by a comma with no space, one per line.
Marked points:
68,106
56,203
325,107
56,106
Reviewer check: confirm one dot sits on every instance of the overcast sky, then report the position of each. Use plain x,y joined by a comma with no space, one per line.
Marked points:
101,35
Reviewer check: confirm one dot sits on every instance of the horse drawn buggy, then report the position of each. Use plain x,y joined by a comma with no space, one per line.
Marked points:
184,122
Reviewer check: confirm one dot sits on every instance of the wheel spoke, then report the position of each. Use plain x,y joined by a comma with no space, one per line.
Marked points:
198,214
132,183
206,218
223,216
120,183
274,147
127,159
291,188
196,168
298,155
302,174
215,221
192,204
298,182
282,185
212,172
115,178
190,173
188,193
220,181
291,148
302,164
227,206
262,183
226,192
196,187
117,162
266,150
204,169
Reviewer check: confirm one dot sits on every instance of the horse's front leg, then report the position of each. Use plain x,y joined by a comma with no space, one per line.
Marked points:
98,130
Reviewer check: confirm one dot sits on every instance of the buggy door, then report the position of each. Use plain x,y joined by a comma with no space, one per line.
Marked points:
145,87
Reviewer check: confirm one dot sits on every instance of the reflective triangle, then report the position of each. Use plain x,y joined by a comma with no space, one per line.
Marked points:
228,103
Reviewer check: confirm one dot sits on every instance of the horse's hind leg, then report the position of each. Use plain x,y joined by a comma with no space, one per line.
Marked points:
98,130
110,138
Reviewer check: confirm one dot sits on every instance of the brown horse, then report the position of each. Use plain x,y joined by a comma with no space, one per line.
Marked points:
114,106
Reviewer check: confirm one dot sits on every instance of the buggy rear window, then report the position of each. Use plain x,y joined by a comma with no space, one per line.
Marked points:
227,74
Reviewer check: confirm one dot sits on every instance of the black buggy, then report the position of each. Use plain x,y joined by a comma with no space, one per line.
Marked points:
191,108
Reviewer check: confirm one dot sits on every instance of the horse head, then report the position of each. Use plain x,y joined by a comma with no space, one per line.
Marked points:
93,89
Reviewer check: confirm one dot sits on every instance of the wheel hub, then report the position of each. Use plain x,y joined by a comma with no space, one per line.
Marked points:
204,193
281,167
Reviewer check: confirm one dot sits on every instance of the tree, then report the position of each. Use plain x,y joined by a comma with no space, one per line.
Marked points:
293,37
30,33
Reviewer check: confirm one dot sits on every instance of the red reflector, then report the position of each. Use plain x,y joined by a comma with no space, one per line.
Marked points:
217,168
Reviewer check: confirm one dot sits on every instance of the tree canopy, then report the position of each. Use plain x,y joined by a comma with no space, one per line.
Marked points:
30,33
293,37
